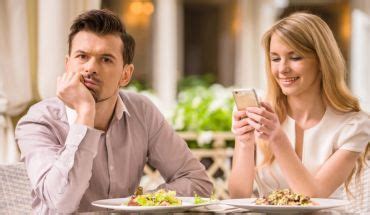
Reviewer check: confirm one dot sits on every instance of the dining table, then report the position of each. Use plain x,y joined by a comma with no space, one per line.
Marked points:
225,210
194,205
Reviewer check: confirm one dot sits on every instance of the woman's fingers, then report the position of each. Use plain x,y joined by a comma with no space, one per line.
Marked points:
240,123
256,117
255,121
259,119
238,115
261,111
259,127
260,122
267,106
243,130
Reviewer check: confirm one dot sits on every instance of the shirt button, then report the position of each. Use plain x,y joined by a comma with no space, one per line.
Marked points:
111,167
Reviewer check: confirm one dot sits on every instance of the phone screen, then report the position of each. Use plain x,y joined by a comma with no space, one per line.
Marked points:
245,98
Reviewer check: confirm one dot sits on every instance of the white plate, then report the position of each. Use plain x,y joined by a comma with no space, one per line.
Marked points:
121,204
319,205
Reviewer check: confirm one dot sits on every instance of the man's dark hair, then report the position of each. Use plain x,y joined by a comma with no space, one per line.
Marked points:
103,22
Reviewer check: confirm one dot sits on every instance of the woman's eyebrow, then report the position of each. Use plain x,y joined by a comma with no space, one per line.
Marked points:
289,53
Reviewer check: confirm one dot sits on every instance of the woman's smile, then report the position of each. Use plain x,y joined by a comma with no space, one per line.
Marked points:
288,81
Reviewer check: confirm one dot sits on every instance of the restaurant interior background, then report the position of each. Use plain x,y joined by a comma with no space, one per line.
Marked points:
190,54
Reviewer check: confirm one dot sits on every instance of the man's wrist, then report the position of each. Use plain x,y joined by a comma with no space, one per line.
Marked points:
86,116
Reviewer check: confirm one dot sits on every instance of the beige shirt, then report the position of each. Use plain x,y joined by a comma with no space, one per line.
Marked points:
70,165
346,131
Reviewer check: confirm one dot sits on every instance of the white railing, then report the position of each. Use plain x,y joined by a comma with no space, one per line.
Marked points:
216,160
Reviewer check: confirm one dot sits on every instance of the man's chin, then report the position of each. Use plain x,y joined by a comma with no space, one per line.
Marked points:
95,96
102,99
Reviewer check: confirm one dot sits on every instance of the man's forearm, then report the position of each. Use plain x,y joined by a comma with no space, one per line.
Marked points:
64,184
193,180
189,186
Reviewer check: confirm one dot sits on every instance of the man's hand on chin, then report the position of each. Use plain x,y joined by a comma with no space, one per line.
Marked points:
75,95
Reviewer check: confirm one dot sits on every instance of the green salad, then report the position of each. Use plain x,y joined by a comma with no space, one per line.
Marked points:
158,198
199,200
161,198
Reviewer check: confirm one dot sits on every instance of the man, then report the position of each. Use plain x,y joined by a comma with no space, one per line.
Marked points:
92,141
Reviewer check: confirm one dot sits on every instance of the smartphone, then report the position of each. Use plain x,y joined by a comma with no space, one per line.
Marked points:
245,98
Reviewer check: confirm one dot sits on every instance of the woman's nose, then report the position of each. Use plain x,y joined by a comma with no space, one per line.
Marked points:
284,66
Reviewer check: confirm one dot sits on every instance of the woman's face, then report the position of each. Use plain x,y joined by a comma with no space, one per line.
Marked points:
295,74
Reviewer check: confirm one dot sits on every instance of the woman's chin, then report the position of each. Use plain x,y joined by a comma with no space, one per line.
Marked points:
289,91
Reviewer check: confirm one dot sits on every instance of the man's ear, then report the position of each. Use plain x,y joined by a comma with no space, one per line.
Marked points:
127,72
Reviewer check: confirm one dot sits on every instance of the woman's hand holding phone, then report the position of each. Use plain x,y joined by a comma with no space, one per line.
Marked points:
243,131
252,115
264,120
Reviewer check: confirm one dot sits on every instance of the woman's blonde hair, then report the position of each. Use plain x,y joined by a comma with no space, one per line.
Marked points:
308,34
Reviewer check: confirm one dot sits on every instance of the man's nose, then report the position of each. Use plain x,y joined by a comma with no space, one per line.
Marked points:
90,67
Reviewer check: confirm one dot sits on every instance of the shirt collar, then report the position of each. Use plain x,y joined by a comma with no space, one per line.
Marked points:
119,110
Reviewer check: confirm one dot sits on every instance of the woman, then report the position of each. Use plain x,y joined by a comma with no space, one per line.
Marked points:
311,134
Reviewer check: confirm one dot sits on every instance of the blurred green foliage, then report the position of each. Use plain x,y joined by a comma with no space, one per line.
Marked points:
203,109
137,85
191,81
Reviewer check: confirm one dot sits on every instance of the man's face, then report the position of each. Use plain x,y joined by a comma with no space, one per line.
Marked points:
99,59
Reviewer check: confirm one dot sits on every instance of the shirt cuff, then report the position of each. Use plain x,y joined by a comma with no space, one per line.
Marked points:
75,135
79,136
90,141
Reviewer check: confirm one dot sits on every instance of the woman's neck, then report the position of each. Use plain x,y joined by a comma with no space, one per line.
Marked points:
306,110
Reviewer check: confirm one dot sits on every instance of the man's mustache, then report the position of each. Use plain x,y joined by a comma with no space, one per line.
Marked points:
90,78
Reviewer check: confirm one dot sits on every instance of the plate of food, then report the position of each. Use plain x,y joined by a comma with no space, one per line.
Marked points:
159,201
285,201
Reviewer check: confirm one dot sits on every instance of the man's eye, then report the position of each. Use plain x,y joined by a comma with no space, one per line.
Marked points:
106,60
82,56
